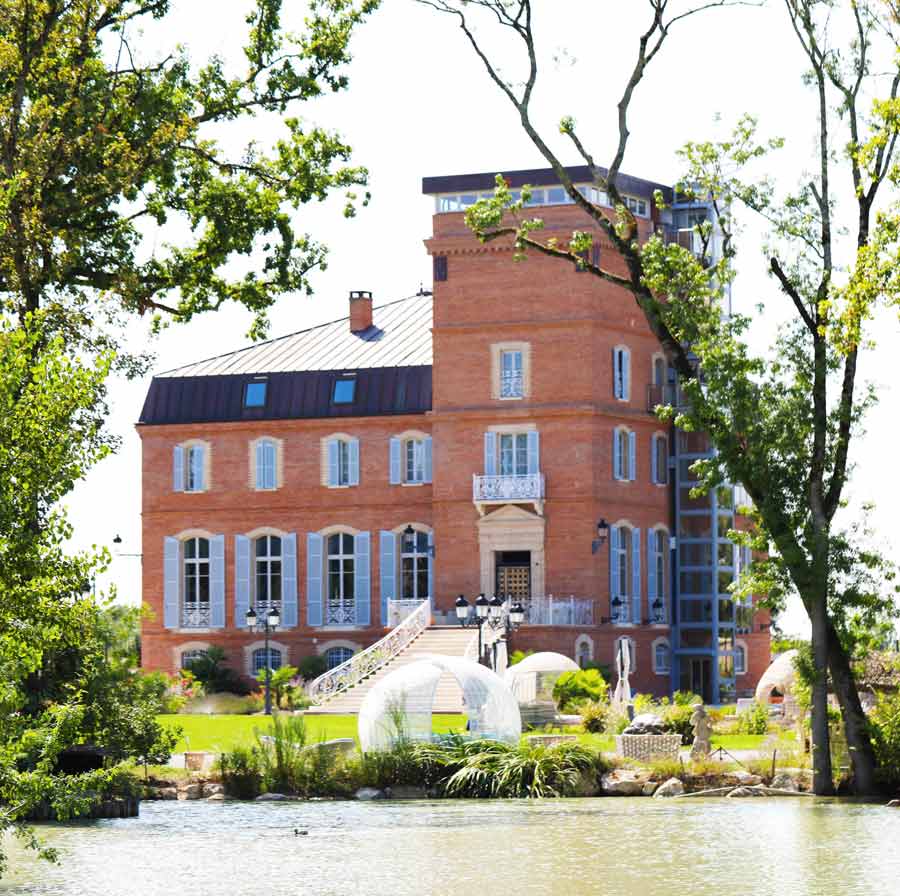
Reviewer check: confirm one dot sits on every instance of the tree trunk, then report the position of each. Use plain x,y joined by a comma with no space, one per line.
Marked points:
823,781
856,727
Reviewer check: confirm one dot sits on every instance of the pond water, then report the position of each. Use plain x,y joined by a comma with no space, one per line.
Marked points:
622,846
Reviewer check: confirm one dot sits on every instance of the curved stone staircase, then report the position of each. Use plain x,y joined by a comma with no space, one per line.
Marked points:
435,639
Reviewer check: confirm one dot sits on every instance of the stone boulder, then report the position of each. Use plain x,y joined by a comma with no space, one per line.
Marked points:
784,781
161,793
894,804
212,789
270,798
751,791
193,791
744,779
216,798
649,788
339,746
370,793
646,723
622,782
670,788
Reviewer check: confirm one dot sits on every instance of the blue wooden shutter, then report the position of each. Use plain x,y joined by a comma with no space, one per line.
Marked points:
178,468
428,462
534,452
431,568
654,471
636,576
362,578
260,465
354,462
617,452
651,571
395,461
198,456
626,374
617,378
613,562
289,614
388,571
241,580
314,563
217,581
171,581
632,456
333,462
490,454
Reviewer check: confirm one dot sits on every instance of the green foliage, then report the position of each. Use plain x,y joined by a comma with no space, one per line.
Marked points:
677,720
210,670
518,655
663,769
685,698
885,721
594,715
311,667
279,682
102,147
241,770
754,720
572,688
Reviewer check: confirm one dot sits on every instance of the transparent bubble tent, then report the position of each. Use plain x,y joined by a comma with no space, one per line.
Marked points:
534,677
403,701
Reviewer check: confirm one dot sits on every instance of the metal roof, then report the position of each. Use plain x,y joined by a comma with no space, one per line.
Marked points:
399,337
290,395
537,177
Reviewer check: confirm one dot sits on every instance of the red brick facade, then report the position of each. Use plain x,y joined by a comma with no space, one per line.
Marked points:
569,324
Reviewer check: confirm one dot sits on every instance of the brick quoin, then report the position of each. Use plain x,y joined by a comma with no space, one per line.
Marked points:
571,323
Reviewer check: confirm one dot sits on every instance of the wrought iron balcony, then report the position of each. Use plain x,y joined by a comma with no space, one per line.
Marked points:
512,384
195,615
508,490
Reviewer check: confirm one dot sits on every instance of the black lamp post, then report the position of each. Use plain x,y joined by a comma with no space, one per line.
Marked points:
491,613
657,607
615,605
270,623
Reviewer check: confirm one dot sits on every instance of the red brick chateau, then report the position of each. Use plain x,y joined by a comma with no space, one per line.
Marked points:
498,421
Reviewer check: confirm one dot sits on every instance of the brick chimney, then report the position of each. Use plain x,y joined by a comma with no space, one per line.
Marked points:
360,310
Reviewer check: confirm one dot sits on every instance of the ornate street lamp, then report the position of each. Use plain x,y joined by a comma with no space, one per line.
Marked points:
490,612
269,624
602,535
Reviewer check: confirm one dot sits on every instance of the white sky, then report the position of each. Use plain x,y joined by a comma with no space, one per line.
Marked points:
419,104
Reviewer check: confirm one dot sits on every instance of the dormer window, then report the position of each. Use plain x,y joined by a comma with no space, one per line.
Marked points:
344,390
255,394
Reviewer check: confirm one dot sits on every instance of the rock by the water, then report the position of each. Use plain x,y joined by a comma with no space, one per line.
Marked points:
784,781
162,793
271,798
646,723
650,788
894,804
745,779
622,783
672,787
211,789
190,792
587,784
370,793
216,798
740,792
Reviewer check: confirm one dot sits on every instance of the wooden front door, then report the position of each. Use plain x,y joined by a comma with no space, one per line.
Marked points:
514,574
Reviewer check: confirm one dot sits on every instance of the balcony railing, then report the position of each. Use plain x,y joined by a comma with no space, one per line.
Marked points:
512,385
195,615
661,394
552,610
508,488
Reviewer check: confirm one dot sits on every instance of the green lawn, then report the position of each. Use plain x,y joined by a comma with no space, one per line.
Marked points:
217,733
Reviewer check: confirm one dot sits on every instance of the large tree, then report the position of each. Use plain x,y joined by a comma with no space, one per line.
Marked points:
782,424
101,147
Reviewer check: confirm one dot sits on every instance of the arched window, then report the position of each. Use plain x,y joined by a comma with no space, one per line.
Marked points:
334,656
267,558
659,459
740,659
621,373
189,656
341,580
584,650
659,370
661,657
620,556
266,464
624,461
414,562
625,644
658,576
195,565
262,658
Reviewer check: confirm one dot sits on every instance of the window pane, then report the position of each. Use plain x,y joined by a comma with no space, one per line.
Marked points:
255,395
344,391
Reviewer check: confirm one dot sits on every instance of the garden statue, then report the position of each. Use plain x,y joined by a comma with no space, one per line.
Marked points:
622,695
702,732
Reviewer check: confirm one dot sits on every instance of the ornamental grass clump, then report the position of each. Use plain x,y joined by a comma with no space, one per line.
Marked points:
574,688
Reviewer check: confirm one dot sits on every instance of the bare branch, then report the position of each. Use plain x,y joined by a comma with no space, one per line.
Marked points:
790,290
